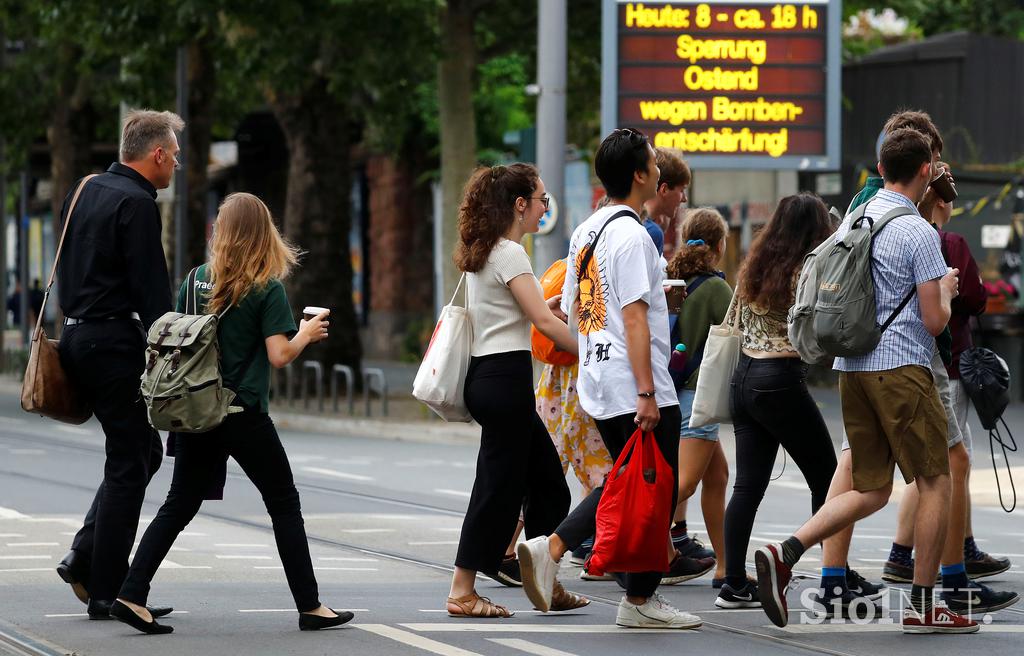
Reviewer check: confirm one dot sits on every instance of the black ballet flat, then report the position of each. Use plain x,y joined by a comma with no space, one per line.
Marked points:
100,610
309,622
125,614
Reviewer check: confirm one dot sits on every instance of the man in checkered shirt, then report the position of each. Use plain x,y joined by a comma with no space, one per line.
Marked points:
891,407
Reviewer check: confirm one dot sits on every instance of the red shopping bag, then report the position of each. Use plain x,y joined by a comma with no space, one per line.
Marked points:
634,512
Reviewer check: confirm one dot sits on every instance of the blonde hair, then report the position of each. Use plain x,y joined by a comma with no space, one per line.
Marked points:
144,130
246,251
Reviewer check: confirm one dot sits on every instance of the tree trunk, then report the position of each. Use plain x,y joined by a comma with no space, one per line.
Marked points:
457,121
317,215
71,130
202,83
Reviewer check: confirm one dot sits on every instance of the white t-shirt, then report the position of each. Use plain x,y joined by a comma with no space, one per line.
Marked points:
625,268
499,324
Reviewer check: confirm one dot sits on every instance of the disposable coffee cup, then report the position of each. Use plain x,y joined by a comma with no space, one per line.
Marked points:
310,311
943,187
674,282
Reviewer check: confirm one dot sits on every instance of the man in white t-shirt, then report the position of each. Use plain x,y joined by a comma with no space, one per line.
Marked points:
620,313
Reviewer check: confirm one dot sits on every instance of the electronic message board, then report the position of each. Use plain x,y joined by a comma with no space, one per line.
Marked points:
738,84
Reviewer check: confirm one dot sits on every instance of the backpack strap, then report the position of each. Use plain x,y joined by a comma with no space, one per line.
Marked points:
876,227
191,303
593,245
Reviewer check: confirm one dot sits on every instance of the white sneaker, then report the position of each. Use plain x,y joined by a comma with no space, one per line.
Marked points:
655,613
585,575
538,571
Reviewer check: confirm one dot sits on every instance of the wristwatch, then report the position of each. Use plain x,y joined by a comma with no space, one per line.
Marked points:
646,395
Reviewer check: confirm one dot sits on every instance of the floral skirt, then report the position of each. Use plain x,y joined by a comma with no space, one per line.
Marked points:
572,430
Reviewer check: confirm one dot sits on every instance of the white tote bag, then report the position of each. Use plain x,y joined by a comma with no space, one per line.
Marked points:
721,355
442,374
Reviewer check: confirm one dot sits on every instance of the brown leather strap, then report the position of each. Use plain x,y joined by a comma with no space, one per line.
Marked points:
60,246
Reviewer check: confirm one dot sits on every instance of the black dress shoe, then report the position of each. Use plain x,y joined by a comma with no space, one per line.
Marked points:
74,570
308,622
125,614
100,610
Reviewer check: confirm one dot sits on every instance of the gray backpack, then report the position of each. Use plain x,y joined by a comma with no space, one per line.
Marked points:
182,385
835,312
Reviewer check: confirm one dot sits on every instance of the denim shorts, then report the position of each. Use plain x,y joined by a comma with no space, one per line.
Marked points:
709,432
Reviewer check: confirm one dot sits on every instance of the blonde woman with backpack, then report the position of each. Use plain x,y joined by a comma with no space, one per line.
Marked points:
248,260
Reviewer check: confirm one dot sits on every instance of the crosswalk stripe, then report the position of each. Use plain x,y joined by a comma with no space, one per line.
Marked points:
530,647
413,640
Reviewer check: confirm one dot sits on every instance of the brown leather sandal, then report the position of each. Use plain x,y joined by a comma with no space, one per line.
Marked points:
562,599
473,605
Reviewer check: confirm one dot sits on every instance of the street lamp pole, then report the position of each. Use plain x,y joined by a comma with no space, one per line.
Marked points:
551,77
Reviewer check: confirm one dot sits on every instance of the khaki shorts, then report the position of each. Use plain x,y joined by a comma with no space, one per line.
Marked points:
893,418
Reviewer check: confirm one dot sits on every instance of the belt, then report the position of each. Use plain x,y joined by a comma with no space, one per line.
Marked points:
71,321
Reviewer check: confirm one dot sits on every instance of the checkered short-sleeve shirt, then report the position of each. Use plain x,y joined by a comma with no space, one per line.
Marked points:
905,254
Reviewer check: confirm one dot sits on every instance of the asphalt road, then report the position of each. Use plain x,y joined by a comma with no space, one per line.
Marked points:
383,517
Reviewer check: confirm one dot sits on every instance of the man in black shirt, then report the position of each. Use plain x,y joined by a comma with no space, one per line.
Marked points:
113,284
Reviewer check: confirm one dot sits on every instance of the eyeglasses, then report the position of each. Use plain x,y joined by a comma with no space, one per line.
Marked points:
545,200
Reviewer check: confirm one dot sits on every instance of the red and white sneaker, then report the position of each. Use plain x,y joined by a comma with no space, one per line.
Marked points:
773,577
939,620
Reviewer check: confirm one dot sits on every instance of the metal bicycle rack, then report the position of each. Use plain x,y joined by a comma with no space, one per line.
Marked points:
343,371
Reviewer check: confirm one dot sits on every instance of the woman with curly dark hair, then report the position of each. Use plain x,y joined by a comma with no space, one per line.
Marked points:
702,244
770,402
517,467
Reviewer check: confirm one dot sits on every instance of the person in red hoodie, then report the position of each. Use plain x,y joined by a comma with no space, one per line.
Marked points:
969,303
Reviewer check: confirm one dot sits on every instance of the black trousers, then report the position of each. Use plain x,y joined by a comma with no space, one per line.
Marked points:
517,467
615,432
771,407
251,439
105,360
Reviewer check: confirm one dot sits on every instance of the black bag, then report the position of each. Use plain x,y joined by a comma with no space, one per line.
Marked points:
986,378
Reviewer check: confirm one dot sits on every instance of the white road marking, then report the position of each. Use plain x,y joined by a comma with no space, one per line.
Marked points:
337,474
292,610
27,557
173,612
74,430
454,493
240,557
530,647
14,535
192,534
33,544
348,559
873,560
429,543
14,420
28,452
28,569
235,545
413,640
448,529
170,564
367,530
323,569
516,627
11,513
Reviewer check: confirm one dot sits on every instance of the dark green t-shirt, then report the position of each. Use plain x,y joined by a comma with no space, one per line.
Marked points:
261,313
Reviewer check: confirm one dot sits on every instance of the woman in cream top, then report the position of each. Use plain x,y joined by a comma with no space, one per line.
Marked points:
518,466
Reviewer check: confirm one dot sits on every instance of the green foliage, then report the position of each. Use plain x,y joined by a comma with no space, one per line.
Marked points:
992,17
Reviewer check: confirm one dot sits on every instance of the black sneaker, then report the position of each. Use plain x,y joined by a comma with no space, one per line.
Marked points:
983,564
847,605
690,546
861,587
508,573
746,597
978,598
683,568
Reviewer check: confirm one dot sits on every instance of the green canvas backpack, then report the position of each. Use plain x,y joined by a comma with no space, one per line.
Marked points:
845,322
182,385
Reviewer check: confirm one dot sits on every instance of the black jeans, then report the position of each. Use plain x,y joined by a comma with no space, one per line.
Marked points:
770,407
615,432
105,360
517,467
251,439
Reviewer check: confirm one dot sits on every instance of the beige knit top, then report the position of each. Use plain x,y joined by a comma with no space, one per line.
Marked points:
499,324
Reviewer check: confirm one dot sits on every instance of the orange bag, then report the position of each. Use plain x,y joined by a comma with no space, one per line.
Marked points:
543,348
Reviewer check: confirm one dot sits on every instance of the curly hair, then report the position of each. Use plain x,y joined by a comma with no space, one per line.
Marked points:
487,210
702,224
800,223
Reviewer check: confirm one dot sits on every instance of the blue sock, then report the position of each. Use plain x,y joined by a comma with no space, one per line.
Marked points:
954,576
832,578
